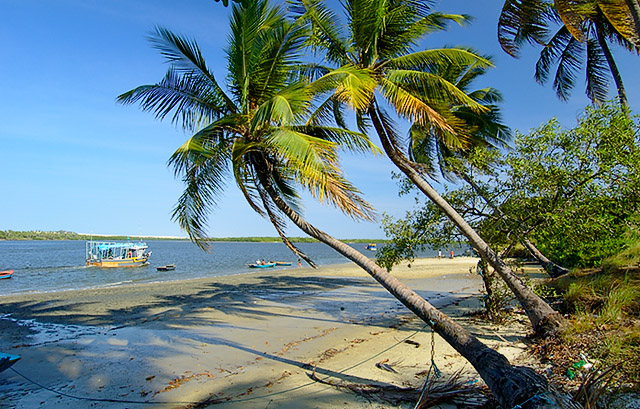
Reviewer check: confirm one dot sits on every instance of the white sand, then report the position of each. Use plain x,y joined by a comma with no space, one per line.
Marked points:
247,340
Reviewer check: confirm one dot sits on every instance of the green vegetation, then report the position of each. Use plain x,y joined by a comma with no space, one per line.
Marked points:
604,308
541,191
67,235
39,235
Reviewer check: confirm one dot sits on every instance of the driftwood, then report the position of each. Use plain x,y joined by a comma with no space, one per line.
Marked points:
452,390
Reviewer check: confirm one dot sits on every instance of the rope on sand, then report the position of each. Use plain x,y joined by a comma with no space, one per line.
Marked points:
212,401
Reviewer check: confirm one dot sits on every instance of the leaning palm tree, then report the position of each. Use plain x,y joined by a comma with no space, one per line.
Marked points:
257,133
377,54
433,149
255,130
585,30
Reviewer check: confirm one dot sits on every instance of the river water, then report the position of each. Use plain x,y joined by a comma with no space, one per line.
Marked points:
46,266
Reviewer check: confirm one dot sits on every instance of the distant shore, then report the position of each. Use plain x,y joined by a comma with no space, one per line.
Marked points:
67,235
245,341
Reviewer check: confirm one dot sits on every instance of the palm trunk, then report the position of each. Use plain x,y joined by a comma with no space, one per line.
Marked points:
622,94
549,266
545,321
511,385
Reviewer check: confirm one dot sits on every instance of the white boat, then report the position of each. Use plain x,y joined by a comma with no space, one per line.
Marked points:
116,254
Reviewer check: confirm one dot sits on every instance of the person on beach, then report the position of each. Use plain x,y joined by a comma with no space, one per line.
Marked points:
439,254
299,263
451,254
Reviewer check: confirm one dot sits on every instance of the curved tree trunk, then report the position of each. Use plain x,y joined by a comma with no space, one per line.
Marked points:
549,266
544,319
511,385
617,77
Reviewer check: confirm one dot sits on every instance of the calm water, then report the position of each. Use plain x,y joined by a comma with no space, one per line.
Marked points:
44,266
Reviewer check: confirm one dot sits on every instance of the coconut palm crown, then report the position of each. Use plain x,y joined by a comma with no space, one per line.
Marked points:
584,31
377,55
255,129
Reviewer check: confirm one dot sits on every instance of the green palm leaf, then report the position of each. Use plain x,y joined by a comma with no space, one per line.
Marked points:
438,56
597,73
186,58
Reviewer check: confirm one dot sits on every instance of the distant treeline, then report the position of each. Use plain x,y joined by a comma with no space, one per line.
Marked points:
69,235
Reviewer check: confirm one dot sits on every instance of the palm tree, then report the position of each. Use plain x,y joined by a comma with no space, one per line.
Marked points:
377,54
434,149
256,130
586,29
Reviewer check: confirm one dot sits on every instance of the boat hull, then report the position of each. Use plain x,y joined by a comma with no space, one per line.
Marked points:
119,263
6,274
262,265
169,267
6,360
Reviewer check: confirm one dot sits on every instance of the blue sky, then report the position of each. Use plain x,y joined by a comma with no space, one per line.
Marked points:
73,159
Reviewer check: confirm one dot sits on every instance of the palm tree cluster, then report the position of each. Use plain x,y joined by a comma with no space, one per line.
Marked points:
277,125
585,30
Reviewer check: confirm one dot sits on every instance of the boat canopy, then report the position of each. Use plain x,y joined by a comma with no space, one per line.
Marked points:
98,250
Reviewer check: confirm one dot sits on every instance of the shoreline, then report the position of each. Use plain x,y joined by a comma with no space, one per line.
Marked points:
247,341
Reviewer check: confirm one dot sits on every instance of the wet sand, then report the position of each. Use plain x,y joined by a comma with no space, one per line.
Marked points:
243,341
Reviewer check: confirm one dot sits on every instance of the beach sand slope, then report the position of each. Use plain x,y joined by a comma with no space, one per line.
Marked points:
243,341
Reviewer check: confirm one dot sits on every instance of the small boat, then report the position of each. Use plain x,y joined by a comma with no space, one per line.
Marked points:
116,254
262,265
282,263
371,246
6,360
5,274
168,267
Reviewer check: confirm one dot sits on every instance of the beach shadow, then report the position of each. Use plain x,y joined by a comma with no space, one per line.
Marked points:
245,300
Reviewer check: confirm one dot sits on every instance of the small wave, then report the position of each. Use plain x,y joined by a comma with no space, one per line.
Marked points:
49,269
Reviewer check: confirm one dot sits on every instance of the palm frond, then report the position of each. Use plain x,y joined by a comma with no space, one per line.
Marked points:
461,57
186,58
308,155
246,22
352,85
524,21
569,63
551,53
191,101
573,14
330,110
597,73
344,138
202,166
618,15
276,59
314,164
325,33
408,105
432,87
287,106
403,30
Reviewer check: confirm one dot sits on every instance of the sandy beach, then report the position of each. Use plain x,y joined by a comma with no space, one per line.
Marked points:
243,341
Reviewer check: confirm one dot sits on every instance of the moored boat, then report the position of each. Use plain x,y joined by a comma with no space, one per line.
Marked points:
5,274
282,263
116,254
168,267
371,246
267,265
6,360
